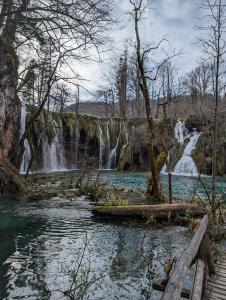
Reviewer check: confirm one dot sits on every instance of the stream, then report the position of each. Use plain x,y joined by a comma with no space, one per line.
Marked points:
42,243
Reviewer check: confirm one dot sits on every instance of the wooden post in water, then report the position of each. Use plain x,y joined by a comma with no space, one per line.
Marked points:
170,187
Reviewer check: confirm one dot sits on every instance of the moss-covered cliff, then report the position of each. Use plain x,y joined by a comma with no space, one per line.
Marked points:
83,138
68,140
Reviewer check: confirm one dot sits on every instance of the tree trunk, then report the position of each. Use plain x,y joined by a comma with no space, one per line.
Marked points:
9,117
154,188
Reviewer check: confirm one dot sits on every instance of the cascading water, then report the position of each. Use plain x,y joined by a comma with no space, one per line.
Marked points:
180,131
101,148
112,153
186,166
107,154
111,164
27,150
53,152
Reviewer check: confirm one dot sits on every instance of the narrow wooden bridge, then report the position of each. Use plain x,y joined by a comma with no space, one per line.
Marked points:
209,282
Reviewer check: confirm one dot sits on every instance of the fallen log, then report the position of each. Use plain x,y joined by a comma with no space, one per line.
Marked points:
160,211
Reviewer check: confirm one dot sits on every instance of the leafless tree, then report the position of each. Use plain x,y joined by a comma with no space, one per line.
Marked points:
214,49
72,27
77,98
134,97
122,81
197,85
154,190
167,86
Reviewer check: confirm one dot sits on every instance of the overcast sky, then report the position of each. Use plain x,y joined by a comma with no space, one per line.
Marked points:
174,19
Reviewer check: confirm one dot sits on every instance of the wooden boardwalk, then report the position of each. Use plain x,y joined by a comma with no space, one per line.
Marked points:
209,282
216,284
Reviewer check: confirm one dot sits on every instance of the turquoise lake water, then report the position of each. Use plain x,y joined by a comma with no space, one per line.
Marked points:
41,243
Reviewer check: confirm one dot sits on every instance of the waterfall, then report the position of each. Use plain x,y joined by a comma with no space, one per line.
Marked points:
180,131
27,150
101,147
111,163
53,152
107,154
186,166
112,153
108,145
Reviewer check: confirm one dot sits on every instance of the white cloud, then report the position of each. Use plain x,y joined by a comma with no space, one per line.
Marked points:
174,19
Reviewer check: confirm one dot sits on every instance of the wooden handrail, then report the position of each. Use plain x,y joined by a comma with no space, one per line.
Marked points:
176,280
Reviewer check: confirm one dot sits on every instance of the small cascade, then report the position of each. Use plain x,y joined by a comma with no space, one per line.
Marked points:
186,166
180,131
101,148
27,150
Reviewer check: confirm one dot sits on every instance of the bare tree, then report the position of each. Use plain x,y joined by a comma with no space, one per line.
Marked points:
71,26
122,80
197,85
154,190
77,98
167,86
214,48
134,97
62,94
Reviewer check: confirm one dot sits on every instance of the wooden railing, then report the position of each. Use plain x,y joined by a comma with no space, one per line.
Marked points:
197,252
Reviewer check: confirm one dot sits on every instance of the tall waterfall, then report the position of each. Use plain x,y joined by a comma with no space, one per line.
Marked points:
53,152
111,163
107,151
112,153
101,148
27,150
186,166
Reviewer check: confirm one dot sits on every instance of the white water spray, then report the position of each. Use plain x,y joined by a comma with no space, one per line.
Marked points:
101,148
180,131
186,166
53,152
27,150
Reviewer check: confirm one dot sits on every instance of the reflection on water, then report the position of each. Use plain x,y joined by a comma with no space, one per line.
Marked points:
39,242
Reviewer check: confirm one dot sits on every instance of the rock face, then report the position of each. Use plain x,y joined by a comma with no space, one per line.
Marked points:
202,154
66,141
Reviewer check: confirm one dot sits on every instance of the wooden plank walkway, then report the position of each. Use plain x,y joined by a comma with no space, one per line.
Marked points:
216,284
209,280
